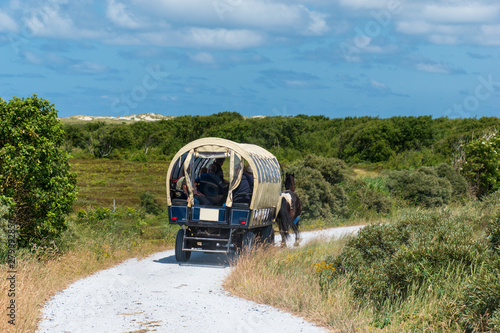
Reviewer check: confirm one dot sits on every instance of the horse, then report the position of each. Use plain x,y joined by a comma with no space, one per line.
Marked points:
289,211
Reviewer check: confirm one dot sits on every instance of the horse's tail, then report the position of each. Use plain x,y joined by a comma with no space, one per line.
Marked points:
283,219
297,211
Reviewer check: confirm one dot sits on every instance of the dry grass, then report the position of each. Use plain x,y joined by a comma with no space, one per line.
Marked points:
286,279
362,173
37,279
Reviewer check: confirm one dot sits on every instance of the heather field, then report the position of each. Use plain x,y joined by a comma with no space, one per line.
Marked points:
101,181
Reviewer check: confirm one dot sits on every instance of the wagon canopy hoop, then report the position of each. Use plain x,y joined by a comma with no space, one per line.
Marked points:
199,153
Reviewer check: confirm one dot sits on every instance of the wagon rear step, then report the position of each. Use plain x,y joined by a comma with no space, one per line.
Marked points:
208,244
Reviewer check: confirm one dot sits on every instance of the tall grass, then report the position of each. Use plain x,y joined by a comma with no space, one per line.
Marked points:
357,285
87,247
287,279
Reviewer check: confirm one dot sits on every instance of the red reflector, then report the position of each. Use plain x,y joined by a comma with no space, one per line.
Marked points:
243,222
174,218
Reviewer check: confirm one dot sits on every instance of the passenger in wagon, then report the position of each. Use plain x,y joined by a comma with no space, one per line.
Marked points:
218,165
199,198
243,193
182,186
210,185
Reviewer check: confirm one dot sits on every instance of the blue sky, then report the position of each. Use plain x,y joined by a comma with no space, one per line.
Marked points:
336,58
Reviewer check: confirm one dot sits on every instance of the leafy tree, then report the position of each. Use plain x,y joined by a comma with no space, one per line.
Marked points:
75,136
370,142
104,141
481,165
34,171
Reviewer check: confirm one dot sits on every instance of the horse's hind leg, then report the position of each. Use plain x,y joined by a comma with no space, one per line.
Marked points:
295,227
283,238
297,238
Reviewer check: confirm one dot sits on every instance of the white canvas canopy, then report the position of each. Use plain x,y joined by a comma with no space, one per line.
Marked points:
199,153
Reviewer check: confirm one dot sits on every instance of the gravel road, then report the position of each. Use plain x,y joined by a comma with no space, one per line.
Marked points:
159,294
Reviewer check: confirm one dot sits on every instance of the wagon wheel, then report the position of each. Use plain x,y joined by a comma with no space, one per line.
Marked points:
267,235
248,241
181,256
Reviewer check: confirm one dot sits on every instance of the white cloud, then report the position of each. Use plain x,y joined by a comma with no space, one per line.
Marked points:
297,83
318,25
263,15
444,39
278,17
436,33
202,58
89,67
223,38
7,23
365,4
433,68
240,24
489,35
52,22
119,15
467,13
378,85
192,38
450,22
64,64
414,27
32,58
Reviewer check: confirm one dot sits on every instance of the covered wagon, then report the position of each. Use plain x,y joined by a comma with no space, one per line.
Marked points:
224,195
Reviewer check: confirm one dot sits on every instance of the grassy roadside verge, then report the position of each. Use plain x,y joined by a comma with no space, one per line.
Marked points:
97,237
286,279
443,278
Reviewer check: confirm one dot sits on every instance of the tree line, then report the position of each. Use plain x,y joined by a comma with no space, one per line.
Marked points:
394,143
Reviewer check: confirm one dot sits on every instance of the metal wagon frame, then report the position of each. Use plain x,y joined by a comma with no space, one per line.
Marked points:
228,225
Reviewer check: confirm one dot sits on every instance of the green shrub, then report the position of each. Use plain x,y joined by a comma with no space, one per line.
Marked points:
317,184
493,234
34,169
491,202
478,307
458,182
385,261
425,251
150,204
482,164
421,187
333,170
320,199
368,197
328,188
138,157
374,200
120,222
102,218
4,232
